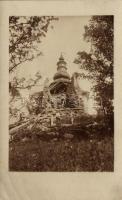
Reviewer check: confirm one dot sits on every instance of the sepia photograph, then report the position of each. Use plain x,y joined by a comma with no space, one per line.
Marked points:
61,93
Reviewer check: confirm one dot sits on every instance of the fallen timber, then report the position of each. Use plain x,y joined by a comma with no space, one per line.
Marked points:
20,125
13,131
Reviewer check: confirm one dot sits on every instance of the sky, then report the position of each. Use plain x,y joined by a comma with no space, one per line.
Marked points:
66,37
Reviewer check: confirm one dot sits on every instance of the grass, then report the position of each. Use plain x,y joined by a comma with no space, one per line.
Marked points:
62,155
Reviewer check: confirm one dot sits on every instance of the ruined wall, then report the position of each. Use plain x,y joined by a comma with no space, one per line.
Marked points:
71,98
58,100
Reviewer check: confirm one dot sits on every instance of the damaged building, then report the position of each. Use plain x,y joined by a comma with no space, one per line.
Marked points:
64,91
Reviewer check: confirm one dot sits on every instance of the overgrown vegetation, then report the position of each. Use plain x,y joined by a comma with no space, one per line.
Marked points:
99,62
62,155
25,35
88,146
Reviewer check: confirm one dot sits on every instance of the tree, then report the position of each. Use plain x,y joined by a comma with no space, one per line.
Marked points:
22,83
46,100
99,61
34,105
24,35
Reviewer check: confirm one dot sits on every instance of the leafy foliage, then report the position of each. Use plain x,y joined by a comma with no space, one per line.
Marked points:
70,97
99,62
34,104
24,35
72,100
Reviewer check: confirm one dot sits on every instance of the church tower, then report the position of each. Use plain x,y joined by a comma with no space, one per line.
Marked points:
61,77
65,91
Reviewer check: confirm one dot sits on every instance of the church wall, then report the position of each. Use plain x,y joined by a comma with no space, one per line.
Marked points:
59,100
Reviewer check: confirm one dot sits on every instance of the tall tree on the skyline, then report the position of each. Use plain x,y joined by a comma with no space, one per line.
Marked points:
99,62
25,33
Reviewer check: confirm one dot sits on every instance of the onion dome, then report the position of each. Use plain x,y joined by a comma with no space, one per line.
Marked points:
63,74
